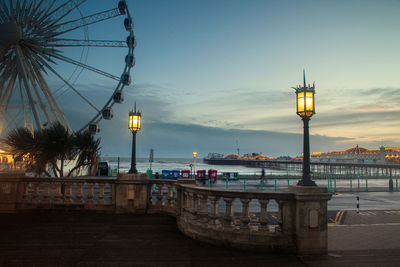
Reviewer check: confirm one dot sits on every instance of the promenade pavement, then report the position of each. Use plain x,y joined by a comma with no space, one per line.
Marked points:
94,239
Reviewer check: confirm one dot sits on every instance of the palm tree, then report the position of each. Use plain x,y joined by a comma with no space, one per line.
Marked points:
88,149
25,145
48,149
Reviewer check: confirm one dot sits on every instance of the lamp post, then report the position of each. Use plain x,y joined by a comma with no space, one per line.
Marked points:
305,109
134,126
194,163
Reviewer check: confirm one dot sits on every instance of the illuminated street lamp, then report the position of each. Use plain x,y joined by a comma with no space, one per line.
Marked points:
305,109
134,126
194,163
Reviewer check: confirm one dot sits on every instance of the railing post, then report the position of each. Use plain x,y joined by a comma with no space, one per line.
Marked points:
170,196
79,192
68,192
90,193
245,217
35,193
214,215
26,192
57,194
229,216
263,214
160,194
46,192
185,206
203,213
101,194
192,204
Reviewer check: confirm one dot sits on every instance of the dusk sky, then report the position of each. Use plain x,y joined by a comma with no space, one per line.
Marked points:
209,73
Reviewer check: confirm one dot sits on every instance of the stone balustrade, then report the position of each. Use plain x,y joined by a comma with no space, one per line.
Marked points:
201,218
214,215
163,197
26,193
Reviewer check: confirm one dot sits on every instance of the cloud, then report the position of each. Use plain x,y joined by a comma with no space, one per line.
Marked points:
180,140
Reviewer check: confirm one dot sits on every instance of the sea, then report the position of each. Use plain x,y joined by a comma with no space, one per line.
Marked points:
380,199
160,164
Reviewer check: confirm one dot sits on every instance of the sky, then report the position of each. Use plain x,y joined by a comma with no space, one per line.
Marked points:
210,74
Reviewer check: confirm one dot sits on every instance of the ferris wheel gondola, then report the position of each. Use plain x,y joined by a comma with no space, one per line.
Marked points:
33,38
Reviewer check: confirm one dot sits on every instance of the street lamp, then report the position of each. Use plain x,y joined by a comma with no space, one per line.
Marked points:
305,109
134,126
194,163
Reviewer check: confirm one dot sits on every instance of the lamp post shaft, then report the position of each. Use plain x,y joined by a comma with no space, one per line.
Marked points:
133,158
306,181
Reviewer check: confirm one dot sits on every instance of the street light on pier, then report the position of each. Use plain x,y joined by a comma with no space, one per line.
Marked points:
194,163
134,126
305,109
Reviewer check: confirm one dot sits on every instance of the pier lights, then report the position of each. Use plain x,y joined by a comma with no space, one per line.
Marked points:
134,126
194,163
305,109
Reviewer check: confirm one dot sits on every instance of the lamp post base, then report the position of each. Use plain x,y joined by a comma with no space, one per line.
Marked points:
133,171
306,183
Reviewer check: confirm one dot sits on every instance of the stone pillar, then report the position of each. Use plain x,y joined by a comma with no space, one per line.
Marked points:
12,190
311,219
131,193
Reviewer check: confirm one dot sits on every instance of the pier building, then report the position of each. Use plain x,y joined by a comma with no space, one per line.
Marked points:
359,155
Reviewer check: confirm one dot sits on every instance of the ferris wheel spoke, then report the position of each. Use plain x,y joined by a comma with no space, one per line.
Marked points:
63,10
6,16
43,17
31,74
79,23
12,11
77,63
76,91
32,102
35,10
7,92
54,107
95,43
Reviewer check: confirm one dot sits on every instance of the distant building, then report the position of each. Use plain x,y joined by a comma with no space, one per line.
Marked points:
357,154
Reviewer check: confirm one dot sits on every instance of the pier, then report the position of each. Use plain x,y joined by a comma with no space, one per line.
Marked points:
324,168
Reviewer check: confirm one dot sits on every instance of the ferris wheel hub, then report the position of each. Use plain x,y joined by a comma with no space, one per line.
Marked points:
9,34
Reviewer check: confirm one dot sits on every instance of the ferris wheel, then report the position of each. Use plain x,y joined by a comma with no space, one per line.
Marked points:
44,50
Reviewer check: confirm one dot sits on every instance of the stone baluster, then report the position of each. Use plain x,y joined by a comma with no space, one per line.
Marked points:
263,215
160,195
245,217
170,196
57,193
112,189
26,192
192,205
46,192
195,204
68,192
185,202
151,194
79,192
90,193
279,218
229,215
101,194
214,214
203,213
35,192
188,209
